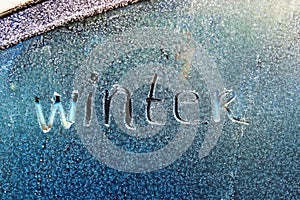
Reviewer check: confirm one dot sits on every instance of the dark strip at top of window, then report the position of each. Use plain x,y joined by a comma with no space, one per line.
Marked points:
47,15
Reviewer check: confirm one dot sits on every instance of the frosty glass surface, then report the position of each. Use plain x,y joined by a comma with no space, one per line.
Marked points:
253,49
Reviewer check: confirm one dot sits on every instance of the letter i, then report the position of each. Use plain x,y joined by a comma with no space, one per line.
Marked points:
89,104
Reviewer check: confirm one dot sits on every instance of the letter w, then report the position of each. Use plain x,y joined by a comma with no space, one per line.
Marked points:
56,106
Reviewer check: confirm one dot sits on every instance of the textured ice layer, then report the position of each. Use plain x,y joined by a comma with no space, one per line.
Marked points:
256,49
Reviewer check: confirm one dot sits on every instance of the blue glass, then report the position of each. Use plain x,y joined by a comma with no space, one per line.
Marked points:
157,100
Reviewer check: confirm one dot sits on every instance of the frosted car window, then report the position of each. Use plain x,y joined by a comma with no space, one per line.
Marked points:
156,100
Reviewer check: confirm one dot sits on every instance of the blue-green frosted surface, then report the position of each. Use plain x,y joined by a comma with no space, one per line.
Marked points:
256,47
